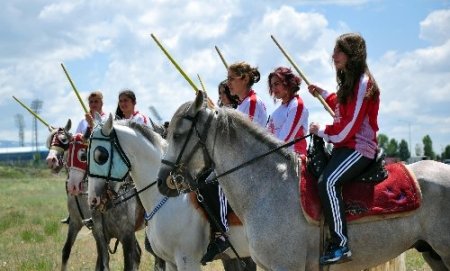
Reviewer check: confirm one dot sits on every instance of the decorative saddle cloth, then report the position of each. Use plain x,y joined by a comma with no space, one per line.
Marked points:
232,218
393,197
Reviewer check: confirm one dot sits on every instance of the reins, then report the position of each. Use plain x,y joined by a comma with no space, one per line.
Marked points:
251,161
114,203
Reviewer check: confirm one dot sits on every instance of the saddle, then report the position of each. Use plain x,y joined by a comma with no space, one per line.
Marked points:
398,195
232,218
318,157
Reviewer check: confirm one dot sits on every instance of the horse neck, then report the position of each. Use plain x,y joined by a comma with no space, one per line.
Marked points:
273,177
145,159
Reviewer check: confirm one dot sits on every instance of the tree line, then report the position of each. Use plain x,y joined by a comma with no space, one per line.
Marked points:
401,150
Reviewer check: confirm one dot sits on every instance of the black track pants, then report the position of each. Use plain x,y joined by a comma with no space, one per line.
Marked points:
344,166
216,202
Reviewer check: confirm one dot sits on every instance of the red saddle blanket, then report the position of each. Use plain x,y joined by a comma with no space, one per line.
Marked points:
398,194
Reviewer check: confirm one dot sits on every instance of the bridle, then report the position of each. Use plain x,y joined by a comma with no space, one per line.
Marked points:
176,174
178,168
60,143
113,147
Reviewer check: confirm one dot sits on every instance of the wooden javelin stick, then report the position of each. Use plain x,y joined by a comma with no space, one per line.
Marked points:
325,105
210,103
221,57
201,82
75,89
33,113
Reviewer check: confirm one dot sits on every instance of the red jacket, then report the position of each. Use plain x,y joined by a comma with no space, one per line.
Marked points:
355,124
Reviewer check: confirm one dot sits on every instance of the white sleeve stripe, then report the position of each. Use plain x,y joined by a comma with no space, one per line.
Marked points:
359,101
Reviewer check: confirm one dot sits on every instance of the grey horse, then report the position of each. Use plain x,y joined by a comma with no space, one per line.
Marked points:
265,195
120,222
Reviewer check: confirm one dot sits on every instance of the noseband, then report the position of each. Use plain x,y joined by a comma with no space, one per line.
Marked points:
178,168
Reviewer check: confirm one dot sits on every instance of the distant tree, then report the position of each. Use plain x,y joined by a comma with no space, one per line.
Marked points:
383,141
419,149
392,148
446,153
428,147
403,151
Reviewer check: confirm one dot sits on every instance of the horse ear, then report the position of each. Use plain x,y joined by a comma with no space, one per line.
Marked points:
108,125
68,125
199,103
97,118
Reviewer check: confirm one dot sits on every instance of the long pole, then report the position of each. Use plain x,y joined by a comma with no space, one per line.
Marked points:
74,89
221,57
195,88
325,105
33,113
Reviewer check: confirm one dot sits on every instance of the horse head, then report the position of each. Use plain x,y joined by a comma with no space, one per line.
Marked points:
108,166
76,163
187,158
58,143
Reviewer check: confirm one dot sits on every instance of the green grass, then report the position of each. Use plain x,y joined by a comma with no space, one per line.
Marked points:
31,238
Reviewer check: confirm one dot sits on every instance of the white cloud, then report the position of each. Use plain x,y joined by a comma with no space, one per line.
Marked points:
436,27
107,45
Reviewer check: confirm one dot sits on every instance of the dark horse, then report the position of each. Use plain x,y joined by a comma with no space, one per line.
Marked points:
120,223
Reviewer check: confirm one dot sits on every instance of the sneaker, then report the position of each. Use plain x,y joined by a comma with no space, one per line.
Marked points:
65,220
218,246
336,255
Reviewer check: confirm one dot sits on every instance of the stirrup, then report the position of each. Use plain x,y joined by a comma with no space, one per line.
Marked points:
216,247
336,255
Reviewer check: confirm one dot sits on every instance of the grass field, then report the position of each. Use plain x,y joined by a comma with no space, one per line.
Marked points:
33,201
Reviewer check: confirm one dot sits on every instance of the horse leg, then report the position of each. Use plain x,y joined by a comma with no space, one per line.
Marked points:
131,255
101,243
235,265
160,264
74,229
434,261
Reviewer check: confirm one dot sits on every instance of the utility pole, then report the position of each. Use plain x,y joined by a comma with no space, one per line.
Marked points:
20,124
36,106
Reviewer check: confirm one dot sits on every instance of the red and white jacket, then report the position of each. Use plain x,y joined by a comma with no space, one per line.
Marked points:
290,121
254,107
140,118
355,124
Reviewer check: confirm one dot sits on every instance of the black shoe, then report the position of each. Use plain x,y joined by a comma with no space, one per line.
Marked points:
218,246
336,255
65,220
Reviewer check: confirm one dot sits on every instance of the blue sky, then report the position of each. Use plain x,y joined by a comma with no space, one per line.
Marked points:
106,45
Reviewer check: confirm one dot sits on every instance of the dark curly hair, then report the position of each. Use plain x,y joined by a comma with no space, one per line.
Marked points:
234,99
288,78
354,46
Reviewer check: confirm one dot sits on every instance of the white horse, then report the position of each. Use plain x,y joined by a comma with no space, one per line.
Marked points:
265,195
177,231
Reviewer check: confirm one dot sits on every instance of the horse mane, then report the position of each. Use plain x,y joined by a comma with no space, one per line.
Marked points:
147,132
230,119
49,138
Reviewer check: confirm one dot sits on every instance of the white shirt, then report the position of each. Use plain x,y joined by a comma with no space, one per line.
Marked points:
290,121
255,108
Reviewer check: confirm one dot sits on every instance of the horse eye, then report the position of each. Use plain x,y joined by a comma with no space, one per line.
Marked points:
101,155
82,155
